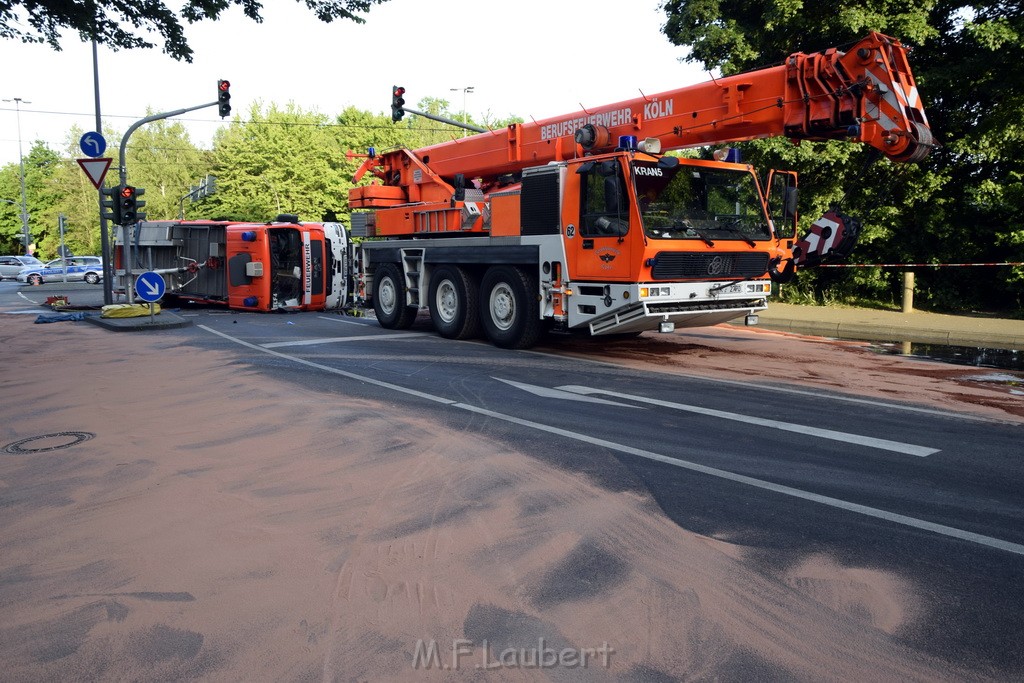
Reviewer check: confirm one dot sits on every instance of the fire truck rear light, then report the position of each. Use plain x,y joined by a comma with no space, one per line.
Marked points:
650,146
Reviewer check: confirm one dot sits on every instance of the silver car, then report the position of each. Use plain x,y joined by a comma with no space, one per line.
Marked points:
88,268
10,266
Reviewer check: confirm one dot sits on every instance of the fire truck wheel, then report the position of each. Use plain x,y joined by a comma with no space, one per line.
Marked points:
453,303
389,298
509,309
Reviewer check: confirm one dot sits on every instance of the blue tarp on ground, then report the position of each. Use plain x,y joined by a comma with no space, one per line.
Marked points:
60,317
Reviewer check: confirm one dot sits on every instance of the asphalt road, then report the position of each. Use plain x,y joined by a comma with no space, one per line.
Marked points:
925,494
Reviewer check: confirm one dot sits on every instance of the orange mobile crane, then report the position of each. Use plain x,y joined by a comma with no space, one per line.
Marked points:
581,223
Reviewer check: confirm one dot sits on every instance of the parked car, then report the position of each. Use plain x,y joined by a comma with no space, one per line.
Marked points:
10,266
88,268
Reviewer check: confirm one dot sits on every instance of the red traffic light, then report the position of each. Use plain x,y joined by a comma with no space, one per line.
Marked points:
127,192
224,98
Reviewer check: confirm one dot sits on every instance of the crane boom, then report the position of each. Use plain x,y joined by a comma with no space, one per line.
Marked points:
866,94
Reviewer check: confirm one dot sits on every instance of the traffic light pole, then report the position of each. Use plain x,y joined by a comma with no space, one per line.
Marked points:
108,262
129,284
453,122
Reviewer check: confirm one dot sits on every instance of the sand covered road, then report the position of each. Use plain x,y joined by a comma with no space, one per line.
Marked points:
224,526
766,356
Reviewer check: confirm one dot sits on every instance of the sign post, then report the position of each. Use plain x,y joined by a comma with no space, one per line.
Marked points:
150,287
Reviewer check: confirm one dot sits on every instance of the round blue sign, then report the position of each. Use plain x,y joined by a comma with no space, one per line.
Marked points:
150,287
93,144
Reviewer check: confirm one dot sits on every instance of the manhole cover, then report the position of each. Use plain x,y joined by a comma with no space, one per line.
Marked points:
48,442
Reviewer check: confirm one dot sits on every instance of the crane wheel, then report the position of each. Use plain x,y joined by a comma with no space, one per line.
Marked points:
454,307
389,297
509,308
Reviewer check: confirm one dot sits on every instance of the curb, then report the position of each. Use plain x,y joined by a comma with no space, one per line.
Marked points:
892,333
162,321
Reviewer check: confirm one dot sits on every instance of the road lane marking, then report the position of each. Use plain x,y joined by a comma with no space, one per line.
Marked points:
843,437
332,340
746,384
327,368
548,392
895,518
339,319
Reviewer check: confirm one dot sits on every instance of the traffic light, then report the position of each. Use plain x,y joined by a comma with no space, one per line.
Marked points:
140,215
111,204
130,205
224,98
397,102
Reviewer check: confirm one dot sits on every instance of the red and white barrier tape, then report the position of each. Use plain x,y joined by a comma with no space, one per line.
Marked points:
914,265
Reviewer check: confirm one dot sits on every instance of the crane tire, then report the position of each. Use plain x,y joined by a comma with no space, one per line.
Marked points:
389,296
454,309
509,308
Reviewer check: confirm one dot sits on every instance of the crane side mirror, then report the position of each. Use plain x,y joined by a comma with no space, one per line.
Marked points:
460,187
789,203
782,202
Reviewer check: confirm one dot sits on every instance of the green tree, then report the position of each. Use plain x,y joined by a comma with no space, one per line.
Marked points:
41,164
161,158
10,210
966,201
125,25
282,161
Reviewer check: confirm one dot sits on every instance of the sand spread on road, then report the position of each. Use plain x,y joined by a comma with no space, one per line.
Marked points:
228,526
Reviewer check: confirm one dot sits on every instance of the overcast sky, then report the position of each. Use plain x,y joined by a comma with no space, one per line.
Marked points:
538,58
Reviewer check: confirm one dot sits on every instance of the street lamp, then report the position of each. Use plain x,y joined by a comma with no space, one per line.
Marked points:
465,115
21,165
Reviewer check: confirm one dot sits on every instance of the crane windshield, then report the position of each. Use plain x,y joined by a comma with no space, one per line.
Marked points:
699,203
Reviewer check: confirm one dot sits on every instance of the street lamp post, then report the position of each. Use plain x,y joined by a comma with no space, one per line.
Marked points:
21,165
276,197
465,115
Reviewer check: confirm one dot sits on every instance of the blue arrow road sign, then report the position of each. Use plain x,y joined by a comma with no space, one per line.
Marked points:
93,144
150,287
